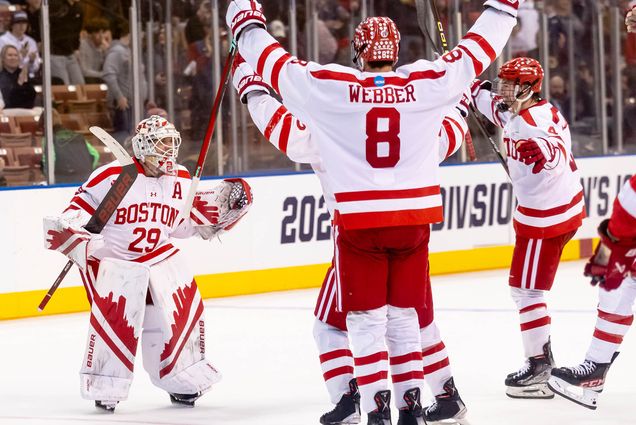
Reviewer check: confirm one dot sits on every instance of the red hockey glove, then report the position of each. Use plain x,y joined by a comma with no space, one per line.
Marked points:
246,80
538,152
243,13
508,6
622,259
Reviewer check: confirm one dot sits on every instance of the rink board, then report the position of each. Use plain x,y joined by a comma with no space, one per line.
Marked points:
285,241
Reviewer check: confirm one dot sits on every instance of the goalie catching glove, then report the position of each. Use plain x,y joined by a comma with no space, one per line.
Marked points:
612,261
66,235
218,210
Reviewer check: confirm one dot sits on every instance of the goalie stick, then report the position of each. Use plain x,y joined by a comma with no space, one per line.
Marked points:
109,204
196,178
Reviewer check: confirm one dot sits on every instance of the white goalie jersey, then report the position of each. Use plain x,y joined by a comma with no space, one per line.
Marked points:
144,222
376,133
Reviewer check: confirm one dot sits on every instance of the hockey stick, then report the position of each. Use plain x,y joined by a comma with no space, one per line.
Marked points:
109,204
187,206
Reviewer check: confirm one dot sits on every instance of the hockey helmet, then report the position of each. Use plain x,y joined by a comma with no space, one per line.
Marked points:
376,40
519,79
156,141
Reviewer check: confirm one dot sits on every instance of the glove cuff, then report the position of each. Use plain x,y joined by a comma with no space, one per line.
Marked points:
249,84
244,19
508,6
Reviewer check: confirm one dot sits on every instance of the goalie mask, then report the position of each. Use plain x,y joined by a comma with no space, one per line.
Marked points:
156,142
519,80
376,40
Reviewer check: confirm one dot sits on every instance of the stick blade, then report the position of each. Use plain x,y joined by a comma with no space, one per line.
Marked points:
118,150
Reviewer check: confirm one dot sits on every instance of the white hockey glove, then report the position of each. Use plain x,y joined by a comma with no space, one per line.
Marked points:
508,6
64,235
476,87
218,210
246,80
243,13
464,104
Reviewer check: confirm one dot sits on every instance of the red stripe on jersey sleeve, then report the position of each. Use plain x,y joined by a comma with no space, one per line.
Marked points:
110,171
273,122
260,65
278,66
83,205
370,195
284,133
483,43
183,174
452,140
477,65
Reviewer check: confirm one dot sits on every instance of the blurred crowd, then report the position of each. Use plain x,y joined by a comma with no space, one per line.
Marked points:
91,45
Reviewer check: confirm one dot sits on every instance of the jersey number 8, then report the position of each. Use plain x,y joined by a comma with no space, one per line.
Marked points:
383,137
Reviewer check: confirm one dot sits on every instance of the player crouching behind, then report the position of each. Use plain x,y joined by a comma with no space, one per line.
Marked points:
136,281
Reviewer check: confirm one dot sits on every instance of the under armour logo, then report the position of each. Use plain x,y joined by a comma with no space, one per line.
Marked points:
153,194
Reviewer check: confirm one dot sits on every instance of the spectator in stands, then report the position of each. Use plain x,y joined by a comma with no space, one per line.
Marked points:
92,50
16,86
33,8
195,28
118,78
74,158
200,54
28,48
559,96
66,18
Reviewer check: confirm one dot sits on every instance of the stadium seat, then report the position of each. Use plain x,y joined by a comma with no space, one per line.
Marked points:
80,106
17,175
7,155
28,124
96,92
17,140
100,119
64,94
31,156
7,124
75,122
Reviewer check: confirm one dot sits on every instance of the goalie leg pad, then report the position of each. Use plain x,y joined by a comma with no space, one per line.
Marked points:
174,331
117,313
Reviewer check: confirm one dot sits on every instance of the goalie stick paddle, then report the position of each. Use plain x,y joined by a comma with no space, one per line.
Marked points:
109,204
187,206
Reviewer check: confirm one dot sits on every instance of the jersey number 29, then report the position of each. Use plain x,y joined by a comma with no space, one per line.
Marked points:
383,137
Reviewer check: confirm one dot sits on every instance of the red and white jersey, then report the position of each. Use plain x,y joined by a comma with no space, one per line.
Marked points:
141,228
623,221
377,133
550,203
283,130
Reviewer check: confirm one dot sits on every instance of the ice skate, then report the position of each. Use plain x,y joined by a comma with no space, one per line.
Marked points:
106,406
581,384
184,399
347,411
381,415
412,414
531,381
448,407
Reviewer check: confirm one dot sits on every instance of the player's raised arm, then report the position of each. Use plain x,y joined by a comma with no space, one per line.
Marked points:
283,72
274,121
454,129
478,48
488,104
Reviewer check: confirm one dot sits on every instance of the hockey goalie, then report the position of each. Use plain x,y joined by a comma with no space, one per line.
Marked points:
136,280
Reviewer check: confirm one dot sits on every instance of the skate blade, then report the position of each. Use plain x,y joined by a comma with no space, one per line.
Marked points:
539,391
581,396
458,419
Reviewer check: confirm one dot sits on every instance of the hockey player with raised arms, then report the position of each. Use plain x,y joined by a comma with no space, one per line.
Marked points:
136,280
613,268
290,136
376,131
550,206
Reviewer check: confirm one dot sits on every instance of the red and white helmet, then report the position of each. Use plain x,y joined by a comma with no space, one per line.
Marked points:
519,79
523,71
376,40
156,141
